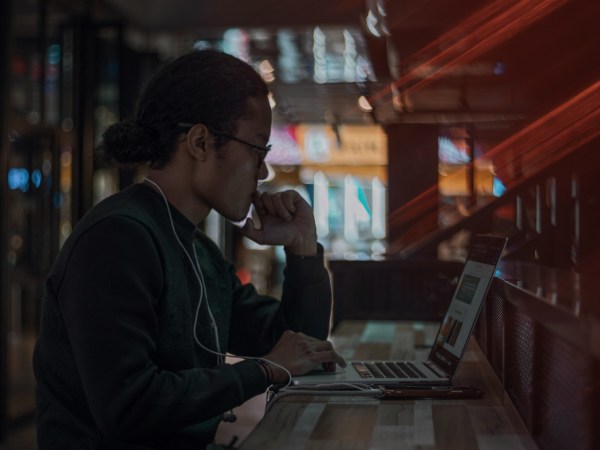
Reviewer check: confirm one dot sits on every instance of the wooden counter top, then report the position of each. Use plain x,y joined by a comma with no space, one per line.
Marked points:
357,423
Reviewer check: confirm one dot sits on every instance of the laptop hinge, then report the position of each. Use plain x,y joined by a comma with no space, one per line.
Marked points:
436,369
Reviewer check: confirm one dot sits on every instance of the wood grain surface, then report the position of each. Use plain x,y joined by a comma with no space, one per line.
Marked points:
311,422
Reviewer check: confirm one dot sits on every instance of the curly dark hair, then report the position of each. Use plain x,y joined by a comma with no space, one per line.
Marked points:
204,86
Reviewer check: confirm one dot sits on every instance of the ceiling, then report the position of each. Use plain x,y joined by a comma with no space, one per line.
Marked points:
470,61
192,15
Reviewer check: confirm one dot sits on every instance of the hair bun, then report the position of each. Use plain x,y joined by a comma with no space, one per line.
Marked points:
129,142
149,131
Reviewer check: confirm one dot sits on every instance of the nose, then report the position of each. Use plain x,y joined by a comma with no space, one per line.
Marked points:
263,171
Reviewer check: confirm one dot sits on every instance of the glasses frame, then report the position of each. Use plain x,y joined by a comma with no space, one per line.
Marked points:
262,151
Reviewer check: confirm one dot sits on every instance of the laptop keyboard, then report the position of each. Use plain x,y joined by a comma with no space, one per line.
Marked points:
388,369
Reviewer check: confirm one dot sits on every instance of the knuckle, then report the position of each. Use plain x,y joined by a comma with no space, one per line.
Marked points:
303,345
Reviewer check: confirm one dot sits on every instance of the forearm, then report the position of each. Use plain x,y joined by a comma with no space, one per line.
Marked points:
258,321
164,401
306,297
304,245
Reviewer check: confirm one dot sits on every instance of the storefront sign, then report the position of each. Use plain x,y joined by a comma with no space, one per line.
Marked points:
351,145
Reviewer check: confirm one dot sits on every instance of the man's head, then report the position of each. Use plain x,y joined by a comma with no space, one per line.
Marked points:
202,87
202,126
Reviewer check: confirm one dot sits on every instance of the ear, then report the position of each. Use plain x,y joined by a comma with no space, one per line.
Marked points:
197,142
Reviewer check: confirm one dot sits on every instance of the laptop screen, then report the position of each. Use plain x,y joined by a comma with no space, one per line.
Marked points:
460,318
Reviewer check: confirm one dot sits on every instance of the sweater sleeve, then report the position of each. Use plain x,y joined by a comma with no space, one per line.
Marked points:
258,320
107,299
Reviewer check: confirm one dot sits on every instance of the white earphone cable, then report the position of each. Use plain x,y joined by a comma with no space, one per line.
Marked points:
204,294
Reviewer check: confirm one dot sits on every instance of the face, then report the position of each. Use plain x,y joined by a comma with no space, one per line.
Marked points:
235,170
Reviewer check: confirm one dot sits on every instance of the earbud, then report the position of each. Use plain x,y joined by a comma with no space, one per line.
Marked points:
229,417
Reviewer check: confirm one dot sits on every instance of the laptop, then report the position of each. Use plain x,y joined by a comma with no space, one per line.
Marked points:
452,336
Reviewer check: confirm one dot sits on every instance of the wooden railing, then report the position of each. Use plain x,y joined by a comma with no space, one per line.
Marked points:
544,166
539,330
547,216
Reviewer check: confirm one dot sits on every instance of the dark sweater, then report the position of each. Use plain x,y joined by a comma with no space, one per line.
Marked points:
116,362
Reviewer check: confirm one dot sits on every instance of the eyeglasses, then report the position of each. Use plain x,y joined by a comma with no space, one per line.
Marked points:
261,151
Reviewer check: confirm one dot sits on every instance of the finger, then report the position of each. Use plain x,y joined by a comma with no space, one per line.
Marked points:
324,347
320,346
329,366
289,200
267,202
248,227
251,231
258,203
306,345
306,337
281,208
330,356
288,335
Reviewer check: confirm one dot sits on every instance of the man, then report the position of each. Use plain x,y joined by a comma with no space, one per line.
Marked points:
141,307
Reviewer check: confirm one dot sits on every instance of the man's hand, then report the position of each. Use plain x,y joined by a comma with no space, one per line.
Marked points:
299,354
285,219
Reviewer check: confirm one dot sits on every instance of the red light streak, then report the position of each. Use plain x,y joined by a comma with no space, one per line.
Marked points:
551,137
542,143
479,33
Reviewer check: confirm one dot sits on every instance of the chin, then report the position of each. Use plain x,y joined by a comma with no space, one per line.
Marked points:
236,216
236,213
240,218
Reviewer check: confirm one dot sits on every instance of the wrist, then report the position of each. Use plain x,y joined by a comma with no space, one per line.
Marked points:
280,376
267,371
304,246
273,373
